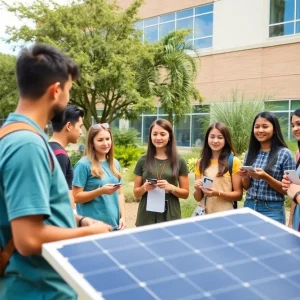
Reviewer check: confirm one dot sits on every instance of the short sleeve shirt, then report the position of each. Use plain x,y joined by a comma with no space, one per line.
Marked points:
105,207
173,212
259,189
28,187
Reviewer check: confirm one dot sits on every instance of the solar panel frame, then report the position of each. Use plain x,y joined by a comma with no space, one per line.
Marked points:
51,253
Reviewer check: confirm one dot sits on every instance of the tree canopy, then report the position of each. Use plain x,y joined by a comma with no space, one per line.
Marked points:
119,73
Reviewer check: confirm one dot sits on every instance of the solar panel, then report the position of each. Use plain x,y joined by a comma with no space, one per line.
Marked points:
237,254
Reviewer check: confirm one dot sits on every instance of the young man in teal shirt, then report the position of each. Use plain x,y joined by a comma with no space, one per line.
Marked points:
35,206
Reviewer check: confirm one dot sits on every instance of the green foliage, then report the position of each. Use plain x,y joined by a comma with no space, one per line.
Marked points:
187,207
8,85
125,137
127,155
191,162
238,113
75,157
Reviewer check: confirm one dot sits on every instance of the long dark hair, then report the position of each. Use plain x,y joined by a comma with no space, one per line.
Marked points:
297,113
171,149
277,142
206,153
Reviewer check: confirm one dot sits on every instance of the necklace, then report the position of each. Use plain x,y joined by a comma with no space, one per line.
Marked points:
162,169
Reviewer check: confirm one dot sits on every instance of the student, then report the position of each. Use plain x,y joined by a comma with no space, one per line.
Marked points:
164,164
215,163
67,131
34,199
269,155
292,189
97,180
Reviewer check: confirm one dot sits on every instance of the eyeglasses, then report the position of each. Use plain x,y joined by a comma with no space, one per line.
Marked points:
98,126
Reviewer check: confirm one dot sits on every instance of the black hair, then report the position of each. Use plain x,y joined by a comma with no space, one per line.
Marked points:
71,114
277,142
40,66
297,113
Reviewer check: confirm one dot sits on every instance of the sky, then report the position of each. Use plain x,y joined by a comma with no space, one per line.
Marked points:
9,19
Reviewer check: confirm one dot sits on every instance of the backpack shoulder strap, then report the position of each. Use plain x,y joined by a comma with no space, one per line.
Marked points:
9,249
60,151
230,163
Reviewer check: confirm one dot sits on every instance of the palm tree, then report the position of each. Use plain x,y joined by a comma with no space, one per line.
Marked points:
169,74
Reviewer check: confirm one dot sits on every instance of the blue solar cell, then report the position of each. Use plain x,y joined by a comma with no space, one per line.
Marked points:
93,263
114,243
243,294
295,278
152,235
202,241
78,249
151,271
254,271
278,289
236,234
189,263
258,248
213,280
244,219
184,229
225,255
282,263
174,289
288,241
210,224
169,248
137,293
133,255
111,280
264,229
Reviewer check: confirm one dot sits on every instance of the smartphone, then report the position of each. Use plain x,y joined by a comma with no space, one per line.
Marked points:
248,168
293,176
152,180
207,183
118,184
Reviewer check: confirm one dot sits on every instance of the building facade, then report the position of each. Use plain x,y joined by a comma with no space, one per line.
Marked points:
252,46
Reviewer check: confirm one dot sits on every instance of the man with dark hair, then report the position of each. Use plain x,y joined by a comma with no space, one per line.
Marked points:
34,199
67,131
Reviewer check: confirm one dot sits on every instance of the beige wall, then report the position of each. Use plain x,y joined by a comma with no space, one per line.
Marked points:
274,70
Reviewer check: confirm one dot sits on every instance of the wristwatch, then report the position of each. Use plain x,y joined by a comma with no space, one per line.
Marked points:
295,197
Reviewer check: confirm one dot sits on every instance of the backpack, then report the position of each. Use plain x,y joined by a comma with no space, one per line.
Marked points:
9,249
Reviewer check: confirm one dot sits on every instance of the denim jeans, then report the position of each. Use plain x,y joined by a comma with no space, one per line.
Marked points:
274,210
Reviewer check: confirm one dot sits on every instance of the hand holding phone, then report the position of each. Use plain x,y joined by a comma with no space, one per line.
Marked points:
293,176
248,168
118,184
207,183
152,180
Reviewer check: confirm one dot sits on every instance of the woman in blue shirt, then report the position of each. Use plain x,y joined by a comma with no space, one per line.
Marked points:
97,181
269,155
294,220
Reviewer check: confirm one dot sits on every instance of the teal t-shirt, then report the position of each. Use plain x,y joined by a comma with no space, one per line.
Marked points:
105,207
28,187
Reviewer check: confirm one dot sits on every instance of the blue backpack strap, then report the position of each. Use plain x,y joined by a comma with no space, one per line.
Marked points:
230,165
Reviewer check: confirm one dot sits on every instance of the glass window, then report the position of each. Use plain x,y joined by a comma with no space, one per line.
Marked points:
203,25
277,105
182,133
298,9
199,126
115,123
204,9
138,25
298,27
284,123
185,24
166,28
295,104
151,34
203,43
136,124
201,108
151,21
282,29
166,18
147,123
281,11
185,13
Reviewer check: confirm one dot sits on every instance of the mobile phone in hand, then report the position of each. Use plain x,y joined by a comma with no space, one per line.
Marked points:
152,180
248,168
118,184
207,183
293,176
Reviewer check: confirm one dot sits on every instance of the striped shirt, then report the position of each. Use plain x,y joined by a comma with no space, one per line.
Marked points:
259,188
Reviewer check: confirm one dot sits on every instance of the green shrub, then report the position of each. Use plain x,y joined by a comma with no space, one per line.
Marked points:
125,137
187,207
191,164
128,155
74,157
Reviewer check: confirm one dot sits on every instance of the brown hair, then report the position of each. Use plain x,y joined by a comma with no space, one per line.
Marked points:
206,152
171,149
91,154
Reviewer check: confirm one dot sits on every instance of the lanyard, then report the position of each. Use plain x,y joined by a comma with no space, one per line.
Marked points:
162,169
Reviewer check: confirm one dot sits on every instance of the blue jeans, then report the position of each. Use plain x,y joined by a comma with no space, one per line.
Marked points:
274,210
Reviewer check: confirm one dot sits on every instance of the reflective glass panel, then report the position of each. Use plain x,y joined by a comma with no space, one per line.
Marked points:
203,26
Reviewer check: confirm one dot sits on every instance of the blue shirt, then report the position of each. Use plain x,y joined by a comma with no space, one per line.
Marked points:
105,207
28,187
296,216
259,189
